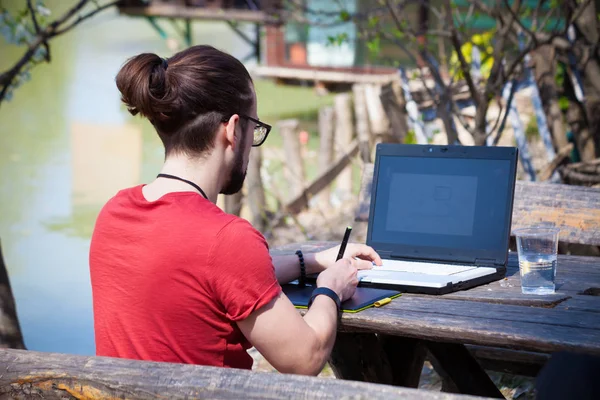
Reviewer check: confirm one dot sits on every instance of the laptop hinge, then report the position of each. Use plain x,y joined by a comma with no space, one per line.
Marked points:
462,261
486,261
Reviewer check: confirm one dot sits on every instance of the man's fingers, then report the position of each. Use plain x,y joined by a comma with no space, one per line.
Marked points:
363,264
367,253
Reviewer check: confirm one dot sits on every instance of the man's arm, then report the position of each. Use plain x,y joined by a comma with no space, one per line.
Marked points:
290,343
287,268
293,344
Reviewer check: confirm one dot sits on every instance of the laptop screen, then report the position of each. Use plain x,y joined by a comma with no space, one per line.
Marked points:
442,202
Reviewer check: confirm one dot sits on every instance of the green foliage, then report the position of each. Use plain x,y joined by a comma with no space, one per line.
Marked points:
17,29
373,21
345,16
484,43
563,103
338,39
531,131
411,137
398,34
374,46
559,77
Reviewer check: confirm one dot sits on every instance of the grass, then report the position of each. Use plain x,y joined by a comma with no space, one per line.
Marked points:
279,102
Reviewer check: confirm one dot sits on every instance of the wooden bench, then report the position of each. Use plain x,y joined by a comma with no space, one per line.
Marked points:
573,209
30,374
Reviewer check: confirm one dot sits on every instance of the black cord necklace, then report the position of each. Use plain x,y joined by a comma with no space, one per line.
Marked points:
198,188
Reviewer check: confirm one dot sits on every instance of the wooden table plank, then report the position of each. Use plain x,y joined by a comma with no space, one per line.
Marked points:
493,312
475,329
30,374
581,303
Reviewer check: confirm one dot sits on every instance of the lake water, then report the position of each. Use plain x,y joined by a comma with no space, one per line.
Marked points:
66,146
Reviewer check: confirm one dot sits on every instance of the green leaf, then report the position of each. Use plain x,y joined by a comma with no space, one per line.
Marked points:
563,103
374,46
411,137
345,16
399,34
373,21
338,39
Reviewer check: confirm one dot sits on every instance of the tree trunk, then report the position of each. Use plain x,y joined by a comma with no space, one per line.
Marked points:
395,109
544,73
10,331
480,130
589,64
576,117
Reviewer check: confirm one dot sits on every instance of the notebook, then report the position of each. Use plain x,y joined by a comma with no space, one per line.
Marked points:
362,299
440,216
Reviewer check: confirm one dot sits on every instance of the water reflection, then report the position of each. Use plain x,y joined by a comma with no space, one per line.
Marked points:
66,146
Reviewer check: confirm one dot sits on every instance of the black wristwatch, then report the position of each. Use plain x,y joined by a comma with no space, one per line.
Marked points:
329,293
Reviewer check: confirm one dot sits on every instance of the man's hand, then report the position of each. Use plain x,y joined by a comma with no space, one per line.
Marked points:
366,256
341,278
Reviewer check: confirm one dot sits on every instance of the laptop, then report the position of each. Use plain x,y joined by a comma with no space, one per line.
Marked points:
440,216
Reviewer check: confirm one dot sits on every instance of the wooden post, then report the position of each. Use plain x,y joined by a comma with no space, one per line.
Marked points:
395,109
10,331
233,203
326,121
256,191
362,122
379,122
344,134
293,167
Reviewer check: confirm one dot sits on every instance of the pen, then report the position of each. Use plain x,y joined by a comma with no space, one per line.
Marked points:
344,243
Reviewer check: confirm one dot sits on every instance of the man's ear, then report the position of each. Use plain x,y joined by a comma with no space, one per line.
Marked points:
230,130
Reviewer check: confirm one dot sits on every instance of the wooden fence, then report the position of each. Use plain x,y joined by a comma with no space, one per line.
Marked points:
348,132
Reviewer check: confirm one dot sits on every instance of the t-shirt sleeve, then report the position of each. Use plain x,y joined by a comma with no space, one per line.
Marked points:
243,278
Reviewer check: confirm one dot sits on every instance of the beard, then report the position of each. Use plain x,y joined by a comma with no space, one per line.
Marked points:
238,175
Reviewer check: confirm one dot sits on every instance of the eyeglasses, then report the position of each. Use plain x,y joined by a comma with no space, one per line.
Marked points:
261,130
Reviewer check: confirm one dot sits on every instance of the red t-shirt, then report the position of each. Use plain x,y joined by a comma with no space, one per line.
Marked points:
171,277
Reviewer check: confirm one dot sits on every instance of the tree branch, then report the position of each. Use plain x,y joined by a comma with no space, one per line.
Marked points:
501,108
515,18
511,95
80,19
43,36
461,58
37,28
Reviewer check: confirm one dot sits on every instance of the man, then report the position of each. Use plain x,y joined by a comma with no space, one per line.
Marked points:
176,279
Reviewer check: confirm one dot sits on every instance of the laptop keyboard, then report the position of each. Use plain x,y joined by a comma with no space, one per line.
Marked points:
421,267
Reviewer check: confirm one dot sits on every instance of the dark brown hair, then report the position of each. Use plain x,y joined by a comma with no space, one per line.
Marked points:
187,96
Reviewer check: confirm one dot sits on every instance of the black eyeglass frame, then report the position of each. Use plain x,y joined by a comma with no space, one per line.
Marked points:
258,124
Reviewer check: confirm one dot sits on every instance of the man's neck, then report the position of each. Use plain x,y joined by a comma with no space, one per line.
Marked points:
206,173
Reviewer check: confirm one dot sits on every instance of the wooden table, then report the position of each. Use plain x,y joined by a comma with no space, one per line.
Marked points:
388,344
